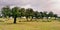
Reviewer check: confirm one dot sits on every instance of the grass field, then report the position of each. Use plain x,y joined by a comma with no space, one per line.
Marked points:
8,25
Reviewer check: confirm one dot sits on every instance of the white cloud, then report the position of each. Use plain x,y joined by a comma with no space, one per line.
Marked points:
27,6
39,5
12,7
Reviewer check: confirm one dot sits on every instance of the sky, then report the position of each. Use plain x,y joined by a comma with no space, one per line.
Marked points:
37,5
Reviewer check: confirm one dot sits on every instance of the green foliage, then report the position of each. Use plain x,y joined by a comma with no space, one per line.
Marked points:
6,11
36,14
45,14
15,11
41,15
55,15
22,11
28,13
51,14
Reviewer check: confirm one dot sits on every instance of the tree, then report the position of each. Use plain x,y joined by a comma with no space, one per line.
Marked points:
41,15
29,13
45,14
36,15
6,11
22,12
15,13
55,15
50,14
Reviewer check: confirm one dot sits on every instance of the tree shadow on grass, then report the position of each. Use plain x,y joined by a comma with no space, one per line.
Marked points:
6,23
28,21
21,23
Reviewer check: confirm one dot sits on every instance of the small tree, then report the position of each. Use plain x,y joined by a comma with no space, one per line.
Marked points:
41,15
23,12
50,14
15,13
29,13
6,11
55,15
36,14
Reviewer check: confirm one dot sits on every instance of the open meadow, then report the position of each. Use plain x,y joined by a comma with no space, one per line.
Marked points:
8,25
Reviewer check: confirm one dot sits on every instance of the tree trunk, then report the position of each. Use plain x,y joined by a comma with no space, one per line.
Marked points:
27,18
47,19
14,20
31,19
55,18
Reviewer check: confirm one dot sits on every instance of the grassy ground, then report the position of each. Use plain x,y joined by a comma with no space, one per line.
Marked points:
8,25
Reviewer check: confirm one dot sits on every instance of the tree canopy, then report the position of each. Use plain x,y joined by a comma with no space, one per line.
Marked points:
22,12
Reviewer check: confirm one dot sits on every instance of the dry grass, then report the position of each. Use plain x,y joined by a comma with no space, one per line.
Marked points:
8,25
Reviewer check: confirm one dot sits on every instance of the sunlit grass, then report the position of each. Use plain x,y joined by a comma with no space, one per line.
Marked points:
8,25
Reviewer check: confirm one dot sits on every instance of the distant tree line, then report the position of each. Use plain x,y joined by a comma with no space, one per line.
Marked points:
28,13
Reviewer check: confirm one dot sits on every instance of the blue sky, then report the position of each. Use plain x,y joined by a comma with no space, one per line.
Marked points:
37,5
